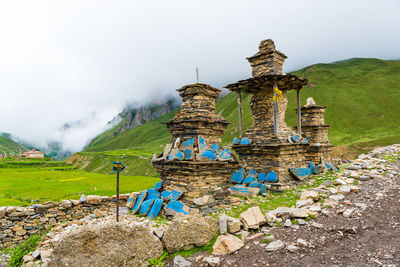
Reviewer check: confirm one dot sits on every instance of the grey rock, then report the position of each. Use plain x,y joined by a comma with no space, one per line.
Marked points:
288,223
212,261
82,199
276,245
336,198
223,224
180,261
292,248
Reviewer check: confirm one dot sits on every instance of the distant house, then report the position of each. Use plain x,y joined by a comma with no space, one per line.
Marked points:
33,154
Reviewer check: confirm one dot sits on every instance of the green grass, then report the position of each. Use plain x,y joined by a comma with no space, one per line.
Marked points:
21,186
9,146
362,95
17,253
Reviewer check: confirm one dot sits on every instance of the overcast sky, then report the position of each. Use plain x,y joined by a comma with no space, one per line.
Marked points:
68,61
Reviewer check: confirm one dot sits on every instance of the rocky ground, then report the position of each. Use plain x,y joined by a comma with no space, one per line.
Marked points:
358,229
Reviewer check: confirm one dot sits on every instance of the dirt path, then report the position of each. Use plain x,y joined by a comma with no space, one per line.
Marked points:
368,237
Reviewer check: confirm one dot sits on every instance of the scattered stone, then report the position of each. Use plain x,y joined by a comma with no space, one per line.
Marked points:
301,243
93,199
234,226
309,195
345,189
223,224
348,212
292,248
354,189
330,203
303,203
82,199
275,245
254,236
317,225
271,218
252,218
288,223
180,261
363,178
336,198
269,238
227,244
314,208
212,261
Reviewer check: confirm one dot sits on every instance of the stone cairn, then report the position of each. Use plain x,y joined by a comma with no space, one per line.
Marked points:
194,162
269,145
316,131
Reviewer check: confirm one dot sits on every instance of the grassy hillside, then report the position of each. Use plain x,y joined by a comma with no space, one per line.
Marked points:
9,146
362,95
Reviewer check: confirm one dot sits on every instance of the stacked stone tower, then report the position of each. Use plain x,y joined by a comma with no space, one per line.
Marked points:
270,148
316,131
197,127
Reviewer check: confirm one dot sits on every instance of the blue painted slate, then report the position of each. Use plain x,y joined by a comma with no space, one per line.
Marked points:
258,185
295,138
187,144
249,179
240,190
272,177
318,169
166,194
332,167
158,186
155,209
187,148
139,202
188,154
207,155
245,141
178,155
215,148
252,172
202,144
176,195
146,206
225,155
176,206
261,177
237,177
300,173
235,141
312,167
152,194
131,200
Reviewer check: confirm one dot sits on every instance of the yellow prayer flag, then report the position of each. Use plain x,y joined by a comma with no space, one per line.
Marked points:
278,93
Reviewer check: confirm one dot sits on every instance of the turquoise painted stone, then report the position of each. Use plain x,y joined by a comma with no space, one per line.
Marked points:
152,194
252,172
188,153
146,206
215,148
155,209
240,190
187,144
202,144
158,186
300,173
295,138
225,155
235,141
261,177
249,179
333,167
139,202
187,148
272,177
237,177
176,206
312,167
178,155
166,194
245,141
318,169
176,195
207,155
258,185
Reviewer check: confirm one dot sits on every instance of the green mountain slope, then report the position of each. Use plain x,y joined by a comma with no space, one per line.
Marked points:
9,146
362,95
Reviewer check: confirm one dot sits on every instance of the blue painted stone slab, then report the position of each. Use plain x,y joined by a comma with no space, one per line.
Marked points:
207,155
155,209
245,141
146,206
237,177
252,172
188,153
152,194
300,173
178,155
158,186
166,194
312,167
318,169
295,139
131,200
332,167
225,155
187,148
261,177
139,202
176,195
215,148
174,207
242,191
187,144
258,185
235,141
202,144
272,177
249,179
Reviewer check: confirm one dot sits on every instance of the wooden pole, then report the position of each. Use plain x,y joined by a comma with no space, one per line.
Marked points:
298,113
117,211
197,74
276,124
240,114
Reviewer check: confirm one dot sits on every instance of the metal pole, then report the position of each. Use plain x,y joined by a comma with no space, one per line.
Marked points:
117,196
240,114
298,113
276,125
197,74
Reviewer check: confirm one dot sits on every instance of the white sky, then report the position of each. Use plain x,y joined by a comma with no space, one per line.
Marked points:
82,60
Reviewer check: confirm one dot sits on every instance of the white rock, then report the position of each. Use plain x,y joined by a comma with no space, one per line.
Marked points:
292,248
301,243
180,261
315,208
252,218
227,244
288,223
348,212
317,225
276,245
303,203
212,261
309,195
336,198
345,189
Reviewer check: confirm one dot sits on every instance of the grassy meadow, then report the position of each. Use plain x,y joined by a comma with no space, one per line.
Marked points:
24,182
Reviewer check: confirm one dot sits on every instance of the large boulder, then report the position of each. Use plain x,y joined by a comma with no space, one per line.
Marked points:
107,244
187,231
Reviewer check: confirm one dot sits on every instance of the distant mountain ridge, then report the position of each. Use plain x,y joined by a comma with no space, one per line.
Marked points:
7,145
